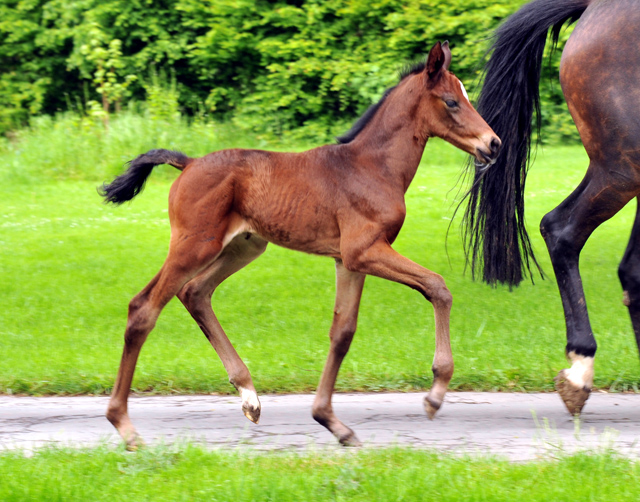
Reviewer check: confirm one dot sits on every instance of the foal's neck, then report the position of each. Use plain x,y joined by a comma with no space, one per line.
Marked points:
392,141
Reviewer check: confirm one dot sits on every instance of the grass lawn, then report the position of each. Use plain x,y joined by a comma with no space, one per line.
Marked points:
193,473
69,266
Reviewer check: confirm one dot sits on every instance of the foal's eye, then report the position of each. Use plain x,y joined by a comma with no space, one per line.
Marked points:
451,103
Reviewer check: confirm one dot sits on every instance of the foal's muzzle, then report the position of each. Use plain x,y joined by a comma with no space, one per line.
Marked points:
487,155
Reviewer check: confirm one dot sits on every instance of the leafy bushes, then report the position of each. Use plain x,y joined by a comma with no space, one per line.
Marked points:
268,65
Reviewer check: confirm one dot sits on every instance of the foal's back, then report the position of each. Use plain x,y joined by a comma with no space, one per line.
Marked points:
295,200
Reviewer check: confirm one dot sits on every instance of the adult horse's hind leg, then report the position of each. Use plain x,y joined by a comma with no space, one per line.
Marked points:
566,229
599,73
181,265
629,273
345,317
196,297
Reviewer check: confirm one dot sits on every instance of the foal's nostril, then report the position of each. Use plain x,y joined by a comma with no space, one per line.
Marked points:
495,145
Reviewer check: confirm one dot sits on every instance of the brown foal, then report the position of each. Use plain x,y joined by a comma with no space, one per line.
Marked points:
343,200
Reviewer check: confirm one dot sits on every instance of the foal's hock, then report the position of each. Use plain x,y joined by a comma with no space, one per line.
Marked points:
344,200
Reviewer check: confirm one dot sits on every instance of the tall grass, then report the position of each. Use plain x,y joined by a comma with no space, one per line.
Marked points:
70,146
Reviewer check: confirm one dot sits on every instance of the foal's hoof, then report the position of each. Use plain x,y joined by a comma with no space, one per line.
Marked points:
573,397
251,405
251,412
134,443
431,407
350,439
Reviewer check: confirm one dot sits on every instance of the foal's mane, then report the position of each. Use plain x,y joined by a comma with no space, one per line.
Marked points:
366,117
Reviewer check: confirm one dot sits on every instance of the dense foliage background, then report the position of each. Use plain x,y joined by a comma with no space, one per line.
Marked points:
268,65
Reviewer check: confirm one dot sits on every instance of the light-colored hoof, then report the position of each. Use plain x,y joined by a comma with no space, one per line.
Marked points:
431,407
250,405
251,412
574,397
350,440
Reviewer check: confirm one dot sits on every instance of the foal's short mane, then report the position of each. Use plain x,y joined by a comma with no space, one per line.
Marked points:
366,117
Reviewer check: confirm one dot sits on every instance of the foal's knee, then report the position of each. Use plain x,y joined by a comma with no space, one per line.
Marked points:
444,298
438,293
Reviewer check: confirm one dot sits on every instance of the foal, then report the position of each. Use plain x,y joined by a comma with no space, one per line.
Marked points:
345,201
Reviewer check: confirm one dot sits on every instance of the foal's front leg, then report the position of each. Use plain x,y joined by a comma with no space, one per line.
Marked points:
345,316
381,260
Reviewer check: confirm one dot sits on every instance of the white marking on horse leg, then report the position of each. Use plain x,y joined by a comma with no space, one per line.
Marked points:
581,372
250,404
574,384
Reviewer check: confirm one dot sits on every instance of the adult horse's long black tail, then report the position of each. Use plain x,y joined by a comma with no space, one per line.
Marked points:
129,184
494,228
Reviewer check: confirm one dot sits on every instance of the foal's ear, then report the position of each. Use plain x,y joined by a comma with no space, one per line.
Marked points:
447,54
438,59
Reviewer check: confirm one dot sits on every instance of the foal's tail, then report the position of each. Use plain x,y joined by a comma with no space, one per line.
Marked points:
129,184
494,232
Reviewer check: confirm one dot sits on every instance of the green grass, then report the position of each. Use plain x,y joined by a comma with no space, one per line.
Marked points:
69,266
193,473
72,147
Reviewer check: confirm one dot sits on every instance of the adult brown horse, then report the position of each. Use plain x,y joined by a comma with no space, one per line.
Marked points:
345,201
600,78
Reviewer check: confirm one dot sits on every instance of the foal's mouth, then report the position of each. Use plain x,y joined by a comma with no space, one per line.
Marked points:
483,160
486,158
483,166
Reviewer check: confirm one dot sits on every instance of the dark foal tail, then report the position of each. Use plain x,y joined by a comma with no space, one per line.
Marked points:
494,229
129,184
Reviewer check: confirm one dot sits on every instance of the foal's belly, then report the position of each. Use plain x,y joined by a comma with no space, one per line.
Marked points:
291,209
301,232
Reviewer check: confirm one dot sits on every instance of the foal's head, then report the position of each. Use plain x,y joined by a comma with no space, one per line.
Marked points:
446,112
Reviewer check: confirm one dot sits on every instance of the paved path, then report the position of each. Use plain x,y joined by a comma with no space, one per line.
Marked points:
518,426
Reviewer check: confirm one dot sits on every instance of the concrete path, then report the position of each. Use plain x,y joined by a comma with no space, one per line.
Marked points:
516,426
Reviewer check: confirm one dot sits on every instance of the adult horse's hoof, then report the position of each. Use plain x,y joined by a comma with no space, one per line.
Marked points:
350,439
431,406
574,397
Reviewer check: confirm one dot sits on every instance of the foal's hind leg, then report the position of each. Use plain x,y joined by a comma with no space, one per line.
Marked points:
196,297
181,265
345,316
565,230
629,273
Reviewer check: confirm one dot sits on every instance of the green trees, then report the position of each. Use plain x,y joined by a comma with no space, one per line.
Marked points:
272,65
